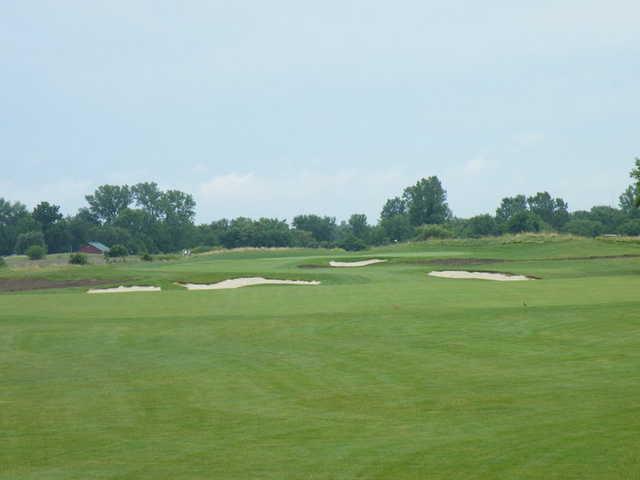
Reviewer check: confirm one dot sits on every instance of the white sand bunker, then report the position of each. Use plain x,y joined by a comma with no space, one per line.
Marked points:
362,263
122,289
244,282
498,277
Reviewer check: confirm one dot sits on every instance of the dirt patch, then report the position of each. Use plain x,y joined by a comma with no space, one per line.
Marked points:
25,284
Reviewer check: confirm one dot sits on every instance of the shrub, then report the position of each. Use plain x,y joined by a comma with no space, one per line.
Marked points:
145,257
36,252
117,251
78,259
630,228
481,226
524,222
425,232
352,244
584,228
26,240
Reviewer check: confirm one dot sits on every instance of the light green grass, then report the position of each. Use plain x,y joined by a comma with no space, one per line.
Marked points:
380,372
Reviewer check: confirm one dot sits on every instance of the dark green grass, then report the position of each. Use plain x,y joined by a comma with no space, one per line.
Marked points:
380,372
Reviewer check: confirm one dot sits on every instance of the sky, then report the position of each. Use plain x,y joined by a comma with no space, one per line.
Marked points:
285,107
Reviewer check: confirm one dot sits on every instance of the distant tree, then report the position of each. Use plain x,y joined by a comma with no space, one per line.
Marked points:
397,228
481,226
584,228
359,227
14,220
108,201
394,206
524,222
352,243
553,211
58,237
426,202
627,201
29,239
610,218
509,207
323,229
46,214
630,227
635,174
149,197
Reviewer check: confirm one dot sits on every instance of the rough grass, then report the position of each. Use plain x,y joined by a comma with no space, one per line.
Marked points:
380,372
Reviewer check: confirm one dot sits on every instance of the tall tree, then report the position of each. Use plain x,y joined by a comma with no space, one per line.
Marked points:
635,174
426,202
358,226
628,199
553,211
323,229
509,207
149,197
108,201
394,206
46,214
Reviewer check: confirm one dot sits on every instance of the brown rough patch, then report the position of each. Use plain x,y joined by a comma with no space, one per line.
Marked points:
24,284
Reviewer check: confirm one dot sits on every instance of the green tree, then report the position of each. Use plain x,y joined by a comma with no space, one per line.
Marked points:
397,228
481,226
323,229
394,206
359,227
29,239
46,214
149,197
509,207
108,201
553,211
426,202
635,174
627,201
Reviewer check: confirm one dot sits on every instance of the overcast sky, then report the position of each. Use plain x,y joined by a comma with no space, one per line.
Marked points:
273,108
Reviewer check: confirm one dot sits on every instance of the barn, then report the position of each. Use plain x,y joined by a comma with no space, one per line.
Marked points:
94,247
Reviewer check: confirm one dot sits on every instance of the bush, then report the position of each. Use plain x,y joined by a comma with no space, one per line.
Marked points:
26,240
145,257
584,228
630,228
36,252
426,232
481,226
117,251
353,244
78,259
524,222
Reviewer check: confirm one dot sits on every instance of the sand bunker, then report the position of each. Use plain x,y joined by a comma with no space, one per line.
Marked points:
362,263
244,282
498,277
122,289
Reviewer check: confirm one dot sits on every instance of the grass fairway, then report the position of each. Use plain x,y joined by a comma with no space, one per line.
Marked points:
379,373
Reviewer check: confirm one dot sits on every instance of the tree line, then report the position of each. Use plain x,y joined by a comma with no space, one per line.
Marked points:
145,219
